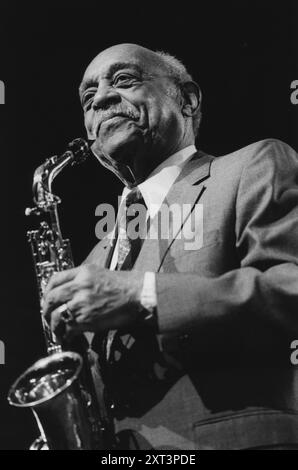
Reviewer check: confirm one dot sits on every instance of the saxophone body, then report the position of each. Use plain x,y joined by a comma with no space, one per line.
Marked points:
62,389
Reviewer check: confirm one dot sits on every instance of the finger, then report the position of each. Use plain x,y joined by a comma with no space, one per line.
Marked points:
56,297
60,278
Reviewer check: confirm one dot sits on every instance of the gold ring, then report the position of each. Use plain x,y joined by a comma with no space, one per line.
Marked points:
66,314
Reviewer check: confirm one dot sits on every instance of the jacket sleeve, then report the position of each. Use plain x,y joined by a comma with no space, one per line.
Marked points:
259,300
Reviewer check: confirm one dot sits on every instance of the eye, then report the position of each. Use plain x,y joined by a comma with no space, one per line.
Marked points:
87,99
124,80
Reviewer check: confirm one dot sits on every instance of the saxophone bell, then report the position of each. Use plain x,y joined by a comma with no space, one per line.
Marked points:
51,389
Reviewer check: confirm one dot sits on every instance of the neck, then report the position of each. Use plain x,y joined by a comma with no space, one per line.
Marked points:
142,166
135,170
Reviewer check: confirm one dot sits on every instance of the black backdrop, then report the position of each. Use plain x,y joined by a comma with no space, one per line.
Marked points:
243,54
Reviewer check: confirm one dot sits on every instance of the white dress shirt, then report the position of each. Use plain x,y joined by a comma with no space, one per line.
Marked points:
154,190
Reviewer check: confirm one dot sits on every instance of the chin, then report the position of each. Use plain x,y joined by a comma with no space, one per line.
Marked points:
121,147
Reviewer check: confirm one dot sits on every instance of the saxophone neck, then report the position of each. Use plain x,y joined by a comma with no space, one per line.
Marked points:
43,178
45,174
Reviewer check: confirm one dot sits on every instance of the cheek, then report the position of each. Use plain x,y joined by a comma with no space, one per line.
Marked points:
165,118
157,114
88,121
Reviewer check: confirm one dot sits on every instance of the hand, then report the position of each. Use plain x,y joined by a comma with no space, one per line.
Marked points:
99,299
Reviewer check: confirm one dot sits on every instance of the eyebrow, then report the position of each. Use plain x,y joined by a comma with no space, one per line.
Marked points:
92,81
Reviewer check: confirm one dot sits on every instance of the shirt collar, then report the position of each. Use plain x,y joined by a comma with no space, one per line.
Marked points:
155,188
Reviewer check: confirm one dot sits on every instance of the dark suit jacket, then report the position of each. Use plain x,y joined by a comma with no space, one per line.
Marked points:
218,375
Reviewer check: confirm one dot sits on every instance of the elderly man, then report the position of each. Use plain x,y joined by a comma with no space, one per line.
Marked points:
193,340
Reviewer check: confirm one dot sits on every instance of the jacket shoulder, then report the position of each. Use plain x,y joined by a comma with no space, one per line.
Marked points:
270,149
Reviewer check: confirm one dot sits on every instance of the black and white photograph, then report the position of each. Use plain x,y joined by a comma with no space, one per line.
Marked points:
149,228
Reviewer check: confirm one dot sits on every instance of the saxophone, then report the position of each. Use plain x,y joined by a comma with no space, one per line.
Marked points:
63,390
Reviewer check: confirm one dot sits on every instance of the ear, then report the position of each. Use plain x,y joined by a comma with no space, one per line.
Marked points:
192,98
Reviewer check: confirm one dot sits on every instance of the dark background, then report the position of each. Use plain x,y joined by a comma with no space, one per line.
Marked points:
243,54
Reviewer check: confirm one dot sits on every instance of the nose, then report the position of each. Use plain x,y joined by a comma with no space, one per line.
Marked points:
104,97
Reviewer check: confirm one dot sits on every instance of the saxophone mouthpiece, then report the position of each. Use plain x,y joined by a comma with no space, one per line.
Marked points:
80,150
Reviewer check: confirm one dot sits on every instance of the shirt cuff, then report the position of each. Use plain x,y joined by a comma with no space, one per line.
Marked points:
148,294
148,300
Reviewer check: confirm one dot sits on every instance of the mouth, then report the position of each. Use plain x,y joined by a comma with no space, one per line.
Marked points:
114,117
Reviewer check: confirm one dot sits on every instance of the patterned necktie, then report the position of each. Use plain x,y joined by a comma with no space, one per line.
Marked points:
131,229
131,232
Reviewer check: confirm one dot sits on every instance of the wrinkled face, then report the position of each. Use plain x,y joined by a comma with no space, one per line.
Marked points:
130,107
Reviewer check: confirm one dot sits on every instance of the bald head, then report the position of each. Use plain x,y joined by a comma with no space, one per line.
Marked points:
134,53
147,59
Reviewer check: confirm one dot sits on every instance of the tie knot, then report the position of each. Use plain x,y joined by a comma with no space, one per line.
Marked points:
133,205
134,197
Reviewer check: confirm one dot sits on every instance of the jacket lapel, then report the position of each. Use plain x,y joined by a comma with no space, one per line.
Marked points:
102,252
187,190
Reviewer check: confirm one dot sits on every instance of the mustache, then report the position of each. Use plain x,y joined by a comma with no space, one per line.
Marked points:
118,110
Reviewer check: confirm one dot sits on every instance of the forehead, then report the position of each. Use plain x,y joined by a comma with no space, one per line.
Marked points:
108,62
